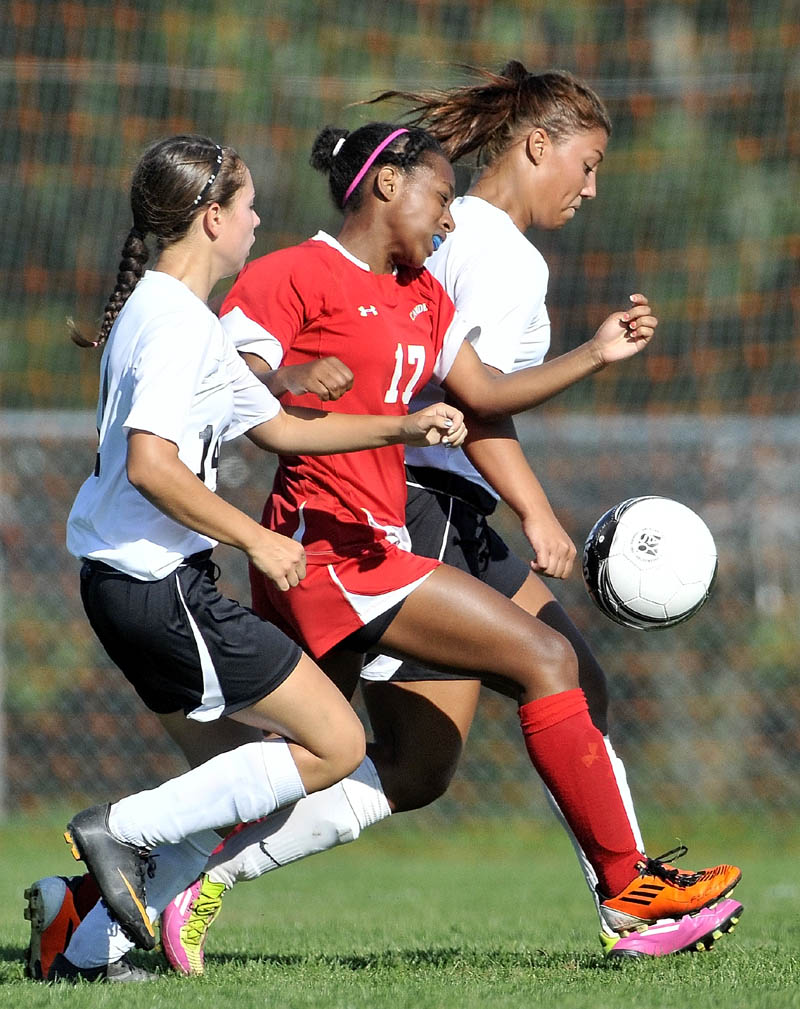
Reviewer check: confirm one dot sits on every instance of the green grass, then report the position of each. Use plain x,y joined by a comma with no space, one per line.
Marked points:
484,917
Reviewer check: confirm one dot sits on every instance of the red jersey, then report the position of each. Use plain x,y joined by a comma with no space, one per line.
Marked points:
394,331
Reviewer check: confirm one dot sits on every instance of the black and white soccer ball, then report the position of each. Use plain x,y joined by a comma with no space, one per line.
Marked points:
649,562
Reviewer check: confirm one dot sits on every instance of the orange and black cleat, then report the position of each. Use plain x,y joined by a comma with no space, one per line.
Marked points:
662,891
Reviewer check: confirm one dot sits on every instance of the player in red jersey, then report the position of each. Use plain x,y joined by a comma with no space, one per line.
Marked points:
364,300
331,316
348,300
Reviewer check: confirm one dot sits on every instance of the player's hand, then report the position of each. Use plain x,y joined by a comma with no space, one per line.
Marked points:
281,559
555,551
329,378
437,424
624,334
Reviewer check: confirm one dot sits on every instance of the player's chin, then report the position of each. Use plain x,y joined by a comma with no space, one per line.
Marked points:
417,256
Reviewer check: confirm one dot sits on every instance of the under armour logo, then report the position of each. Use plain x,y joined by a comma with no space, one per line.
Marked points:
367,310
593,755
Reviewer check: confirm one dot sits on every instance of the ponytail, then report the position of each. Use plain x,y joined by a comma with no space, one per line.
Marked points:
131,270
487,117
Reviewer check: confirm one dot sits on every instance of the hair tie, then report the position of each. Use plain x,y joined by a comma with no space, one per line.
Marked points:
338,146
368,163
210,181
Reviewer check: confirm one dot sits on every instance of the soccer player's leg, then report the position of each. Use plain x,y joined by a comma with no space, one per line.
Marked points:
455,621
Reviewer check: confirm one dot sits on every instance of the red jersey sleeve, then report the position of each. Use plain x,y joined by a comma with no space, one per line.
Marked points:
279,293
449,328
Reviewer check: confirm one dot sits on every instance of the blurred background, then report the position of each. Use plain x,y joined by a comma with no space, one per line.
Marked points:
698,206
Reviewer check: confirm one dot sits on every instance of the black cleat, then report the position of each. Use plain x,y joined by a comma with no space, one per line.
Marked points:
119,869
122,970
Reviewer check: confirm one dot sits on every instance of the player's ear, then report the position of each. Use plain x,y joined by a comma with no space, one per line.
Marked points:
537,145
212,219
387,182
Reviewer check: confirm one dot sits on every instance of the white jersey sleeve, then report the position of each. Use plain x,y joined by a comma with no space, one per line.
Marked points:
458,330
253,403
165,370
250,338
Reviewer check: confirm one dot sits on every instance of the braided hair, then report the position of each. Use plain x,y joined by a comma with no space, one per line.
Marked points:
488,116
174,181
343,156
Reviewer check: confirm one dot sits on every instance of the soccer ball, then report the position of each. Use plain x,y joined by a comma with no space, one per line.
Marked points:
649,562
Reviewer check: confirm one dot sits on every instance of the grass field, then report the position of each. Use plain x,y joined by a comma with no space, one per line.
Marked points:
484,917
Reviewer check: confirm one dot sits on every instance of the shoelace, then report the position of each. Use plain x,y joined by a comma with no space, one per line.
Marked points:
656,867
196,926
146,866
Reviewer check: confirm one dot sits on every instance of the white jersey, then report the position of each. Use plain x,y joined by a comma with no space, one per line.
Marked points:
498,281
170,370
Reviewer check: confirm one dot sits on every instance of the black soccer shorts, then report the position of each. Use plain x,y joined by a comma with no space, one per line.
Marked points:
183,645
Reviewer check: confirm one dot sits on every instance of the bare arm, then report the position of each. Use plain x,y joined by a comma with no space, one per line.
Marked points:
494,450
298,431
156,472
490,395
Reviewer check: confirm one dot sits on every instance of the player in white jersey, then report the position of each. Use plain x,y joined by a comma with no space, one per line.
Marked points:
172,389
540,146
420,726
541,139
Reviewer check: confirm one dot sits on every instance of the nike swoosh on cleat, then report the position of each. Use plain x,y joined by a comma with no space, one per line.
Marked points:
138,903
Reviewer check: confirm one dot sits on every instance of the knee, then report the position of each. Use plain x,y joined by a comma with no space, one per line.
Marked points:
421,784
591,676
345,755
553,664
353,751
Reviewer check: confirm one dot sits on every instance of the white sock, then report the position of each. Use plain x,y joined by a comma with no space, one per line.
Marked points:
99,940
321,821
627,800
234,787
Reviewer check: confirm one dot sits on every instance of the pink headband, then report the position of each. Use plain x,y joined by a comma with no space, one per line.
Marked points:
368,163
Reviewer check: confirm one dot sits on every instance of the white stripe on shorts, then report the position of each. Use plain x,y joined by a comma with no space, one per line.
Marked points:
213,703
383,667
370,607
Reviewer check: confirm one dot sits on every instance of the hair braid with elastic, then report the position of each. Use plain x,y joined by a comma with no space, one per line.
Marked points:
131,270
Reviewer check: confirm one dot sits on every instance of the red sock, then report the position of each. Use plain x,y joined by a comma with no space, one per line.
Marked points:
570,755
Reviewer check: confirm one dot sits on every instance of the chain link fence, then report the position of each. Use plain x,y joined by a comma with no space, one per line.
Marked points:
697,206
